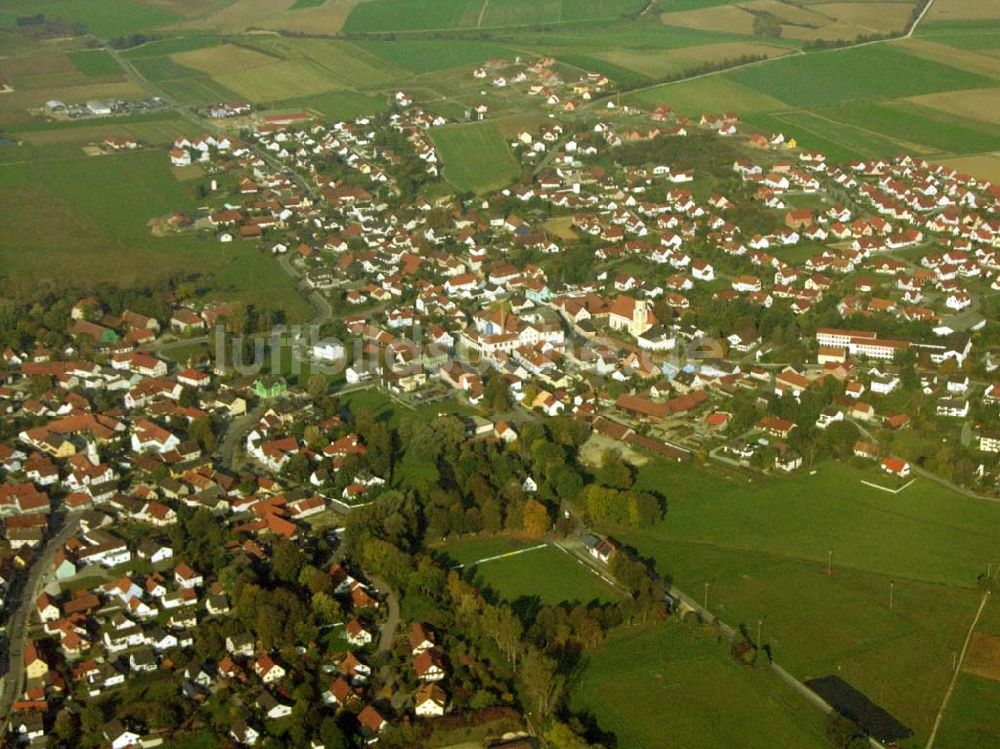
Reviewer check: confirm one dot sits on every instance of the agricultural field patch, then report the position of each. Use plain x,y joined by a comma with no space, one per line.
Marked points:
31,98
715,93
678,675
95,63
964,59
280,80
335,105
172,45
661,64
962,10
310,17
300,4
979,104
721,18
157,132
429,56
224,59
103,18
984,165
345,61
475,156
922,126
983,656
868,17
873,72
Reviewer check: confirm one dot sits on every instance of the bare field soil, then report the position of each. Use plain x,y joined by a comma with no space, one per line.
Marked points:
242,15
878,17
983,658
955,10
977,104
984,166
223,59
727,18
964,59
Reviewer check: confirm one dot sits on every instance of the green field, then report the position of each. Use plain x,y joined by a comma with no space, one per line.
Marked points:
335,105
548,574
671,680
95,63
424,15
299,4
429,56
875,72
763,548
90,214
475,156
103,18
465,550
181,82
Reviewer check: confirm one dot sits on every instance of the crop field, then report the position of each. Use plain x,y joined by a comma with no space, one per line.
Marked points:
674,679
925,127
426,15
709,95
875,72
347,64
974,61
986,165
334,105
433,55
310,16
223,59
962,10
763,549
549,574
185,84
660,64
981,104
103,18
95,63
475,156
154,130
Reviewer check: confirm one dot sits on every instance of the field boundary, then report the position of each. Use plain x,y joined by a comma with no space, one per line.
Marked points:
505,555
887,489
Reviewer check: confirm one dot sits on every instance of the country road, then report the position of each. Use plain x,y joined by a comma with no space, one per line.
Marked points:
17,625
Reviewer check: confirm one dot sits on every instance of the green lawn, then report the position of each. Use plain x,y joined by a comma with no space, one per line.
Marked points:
549,574
673,685
475,156
95,62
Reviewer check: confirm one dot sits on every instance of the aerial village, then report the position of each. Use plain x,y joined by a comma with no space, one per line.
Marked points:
684,288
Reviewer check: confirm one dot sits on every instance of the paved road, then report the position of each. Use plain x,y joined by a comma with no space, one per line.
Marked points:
387,632
17,625
228,447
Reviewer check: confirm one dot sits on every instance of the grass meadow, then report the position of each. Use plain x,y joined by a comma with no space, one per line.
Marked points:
475,156
763,549
672,684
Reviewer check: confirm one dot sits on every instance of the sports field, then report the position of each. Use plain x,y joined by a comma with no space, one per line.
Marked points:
672,680
475,156
549,574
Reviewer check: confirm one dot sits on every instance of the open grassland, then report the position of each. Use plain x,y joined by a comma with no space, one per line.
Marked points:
103,18
763,548
475,156
863,73
90,214
95,63
675,680
548,574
